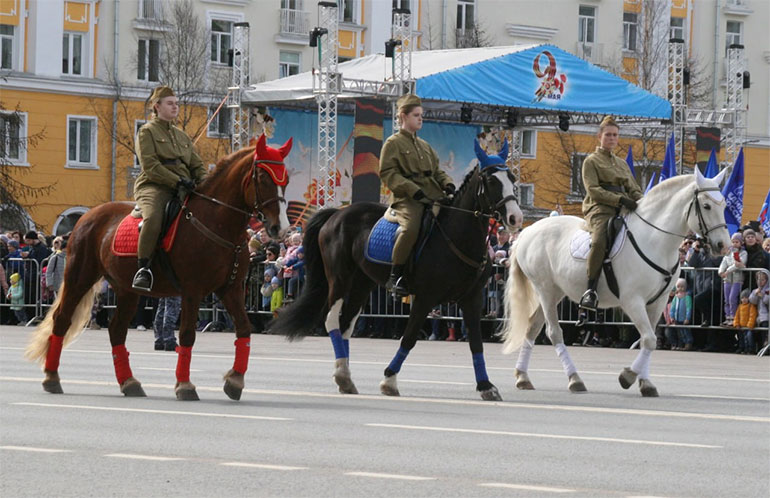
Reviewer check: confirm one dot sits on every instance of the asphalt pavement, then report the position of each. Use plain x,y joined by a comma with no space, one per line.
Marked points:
292,434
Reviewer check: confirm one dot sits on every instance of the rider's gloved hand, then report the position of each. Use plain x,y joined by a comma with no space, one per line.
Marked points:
628,203
450,189
186,184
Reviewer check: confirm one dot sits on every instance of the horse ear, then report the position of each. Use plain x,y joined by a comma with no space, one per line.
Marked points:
261,146
480,154
720,177
504,151
286,148
698,177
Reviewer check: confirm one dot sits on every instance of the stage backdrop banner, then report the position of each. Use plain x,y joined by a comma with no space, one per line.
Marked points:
368,136
705,140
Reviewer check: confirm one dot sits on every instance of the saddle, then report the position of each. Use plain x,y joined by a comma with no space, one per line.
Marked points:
616,237
126,238
382,238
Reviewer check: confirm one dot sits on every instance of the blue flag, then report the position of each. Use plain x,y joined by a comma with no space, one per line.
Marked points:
669,162
733,192
652,182
712,169
764,215
630,161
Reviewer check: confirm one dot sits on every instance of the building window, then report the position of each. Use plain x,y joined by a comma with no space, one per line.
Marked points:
734,35
465,14
13,130
221,40
72,54
526,194
576,176
81,141
629,31
677,28
150,9
219,126
586,24
148,60
288,64
6,46
528,143
347,10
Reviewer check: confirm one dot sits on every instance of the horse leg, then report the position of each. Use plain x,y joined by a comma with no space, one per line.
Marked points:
643,317
341,346
184,389
553,329
233,299
351,309
420,309
472,317
522,364
124,311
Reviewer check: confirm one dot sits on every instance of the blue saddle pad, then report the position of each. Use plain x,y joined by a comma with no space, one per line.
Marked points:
379,247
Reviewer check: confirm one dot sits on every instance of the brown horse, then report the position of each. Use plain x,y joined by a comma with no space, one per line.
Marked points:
207,256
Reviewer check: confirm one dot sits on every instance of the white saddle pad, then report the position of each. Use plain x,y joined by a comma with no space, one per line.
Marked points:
581,244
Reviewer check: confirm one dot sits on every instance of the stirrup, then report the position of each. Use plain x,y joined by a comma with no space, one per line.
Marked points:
398,289
589,301
139,280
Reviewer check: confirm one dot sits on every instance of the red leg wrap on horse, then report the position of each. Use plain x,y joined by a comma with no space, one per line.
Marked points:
54,353
120,360
183,363
242,350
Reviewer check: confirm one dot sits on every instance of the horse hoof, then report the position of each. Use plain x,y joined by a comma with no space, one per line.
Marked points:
647,389
388,386
345,384
185,391
627,378
233,384
576,384
132,388
491,394
51,383
522,381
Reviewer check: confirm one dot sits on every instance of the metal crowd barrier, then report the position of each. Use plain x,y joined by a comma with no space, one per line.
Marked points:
704,284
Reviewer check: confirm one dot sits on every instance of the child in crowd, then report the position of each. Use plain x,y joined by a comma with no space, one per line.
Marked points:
294,266
745,318
732,276
681,314
276,298
672,336
760,297
16,296
267,289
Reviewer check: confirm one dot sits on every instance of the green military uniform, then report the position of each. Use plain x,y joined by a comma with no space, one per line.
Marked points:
166,155
408,164
607,179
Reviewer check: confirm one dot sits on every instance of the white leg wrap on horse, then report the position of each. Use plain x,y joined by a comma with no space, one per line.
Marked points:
333,317
347,333
522,364
641,365
566,360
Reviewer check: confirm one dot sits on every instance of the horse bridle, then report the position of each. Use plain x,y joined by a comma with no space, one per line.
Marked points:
488,211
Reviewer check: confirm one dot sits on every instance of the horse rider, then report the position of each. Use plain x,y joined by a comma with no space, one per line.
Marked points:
609,185
409,167
169,165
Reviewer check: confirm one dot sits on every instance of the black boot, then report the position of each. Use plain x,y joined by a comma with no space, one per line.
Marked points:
396,283
143,278
589,302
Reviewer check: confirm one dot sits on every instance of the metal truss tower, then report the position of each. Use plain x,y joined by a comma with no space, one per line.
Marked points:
240,81
676,95
401,34
735,136
327,84
514,155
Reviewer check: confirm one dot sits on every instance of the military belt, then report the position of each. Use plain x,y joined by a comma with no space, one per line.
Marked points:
613,188
169,162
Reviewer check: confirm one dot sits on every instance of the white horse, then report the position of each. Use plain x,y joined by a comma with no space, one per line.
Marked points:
543,271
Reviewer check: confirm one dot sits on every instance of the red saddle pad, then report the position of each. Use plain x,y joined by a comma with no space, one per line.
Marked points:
127,236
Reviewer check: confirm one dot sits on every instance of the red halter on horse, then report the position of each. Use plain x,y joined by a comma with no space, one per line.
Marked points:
246,183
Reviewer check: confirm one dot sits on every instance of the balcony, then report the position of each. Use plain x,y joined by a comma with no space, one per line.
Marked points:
294,27
592,52
737,7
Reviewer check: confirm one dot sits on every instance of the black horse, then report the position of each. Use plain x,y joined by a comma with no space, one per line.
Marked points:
453,265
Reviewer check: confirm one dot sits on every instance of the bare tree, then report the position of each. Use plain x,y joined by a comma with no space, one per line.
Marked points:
16,196
473,37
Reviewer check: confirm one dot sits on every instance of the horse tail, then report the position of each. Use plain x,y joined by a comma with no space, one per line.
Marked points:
302,316
521,304
37,349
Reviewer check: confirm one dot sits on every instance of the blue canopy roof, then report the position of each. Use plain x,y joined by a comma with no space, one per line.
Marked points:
546,78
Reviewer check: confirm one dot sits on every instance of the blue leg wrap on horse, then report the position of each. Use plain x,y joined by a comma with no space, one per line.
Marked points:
395,363
346,343
480,367
339,346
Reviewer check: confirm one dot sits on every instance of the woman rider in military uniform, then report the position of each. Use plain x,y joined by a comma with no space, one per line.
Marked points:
609,184
409,168
168,164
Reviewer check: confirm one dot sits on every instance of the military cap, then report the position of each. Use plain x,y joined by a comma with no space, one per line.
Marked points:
160,92
408,100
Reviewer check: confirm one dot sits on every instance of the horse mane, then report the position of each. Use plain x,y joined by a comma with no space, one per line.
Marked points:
668,187
466,181
223,166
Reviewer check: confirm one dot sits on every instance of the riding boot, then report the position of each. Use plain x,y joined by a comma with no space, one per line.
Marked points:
143,278
589,302
396,283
